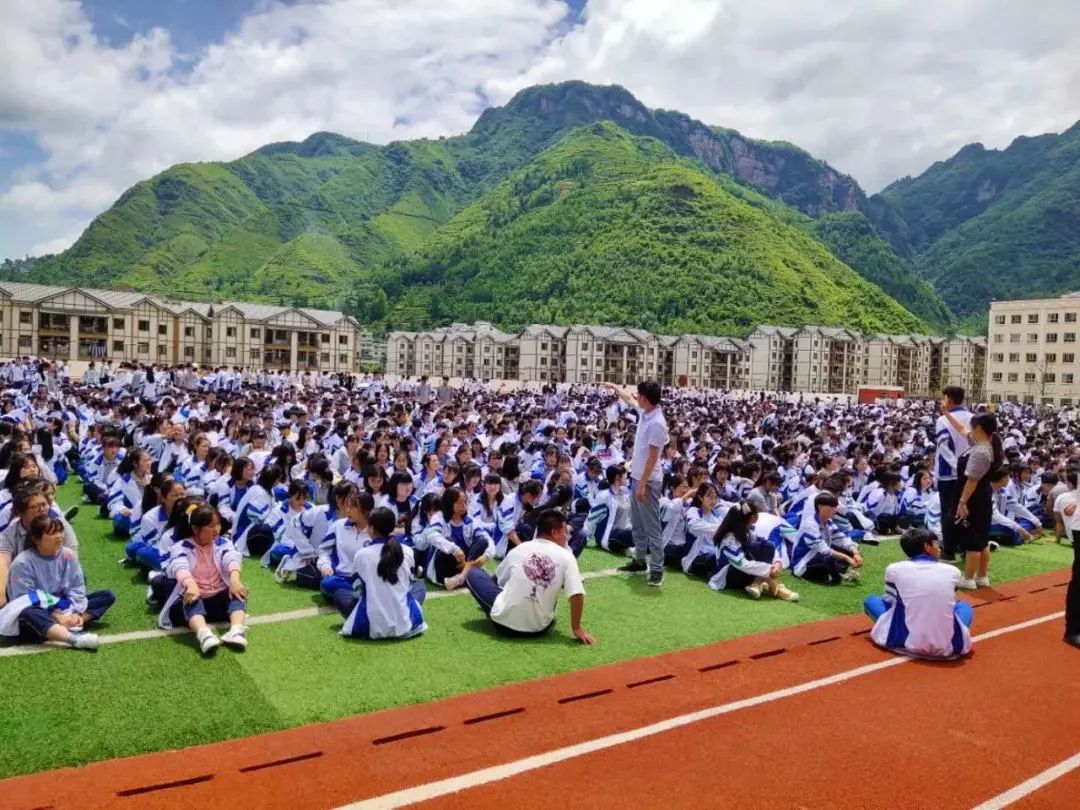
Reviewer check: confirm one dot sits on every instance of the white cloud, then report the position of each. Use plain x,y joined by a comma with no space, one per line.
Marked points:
880,88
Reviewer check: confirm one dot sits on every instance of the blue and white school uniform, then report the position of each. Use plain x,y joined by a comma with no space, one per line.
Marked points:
253,510
444,537
913,504
1008,516
920,615
125,494
337,551
173,457
732,555
293,547
700,529
585,487
385,610
143,549
608,523
192,474
814,544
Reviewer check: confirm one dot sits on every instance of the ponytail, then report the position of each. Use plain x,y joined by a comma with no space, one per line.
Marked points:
999,452
390,559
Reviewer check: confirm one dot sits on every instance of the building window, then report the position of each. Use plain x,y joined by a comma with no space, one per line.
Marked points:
1049,377
1029,376
1068,357
143,348
25,342
162,329
1032,337
1051,358
230,332
1052,317
209,333
1014,319
543,361
1032,358
343,340
118,323
1070,337
144,326
256,333
1033,318
1051,337
254,355
325,338
1013,376
189,331
997,339
230,351
999,320
1070,317
1067,379
189,351
26,318
996,376
324,357
118,346
1014,357
343,359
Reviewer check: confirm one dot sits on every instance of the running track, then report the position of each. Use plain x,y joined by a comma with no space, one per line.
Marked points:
881,732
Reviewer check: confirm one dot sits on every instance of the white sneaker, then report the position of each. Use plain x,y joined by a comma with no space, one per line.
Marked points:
209,643
84,641
966,584
994,545
454,582
983,582
235,636
871,539
754,591
783,593
851,575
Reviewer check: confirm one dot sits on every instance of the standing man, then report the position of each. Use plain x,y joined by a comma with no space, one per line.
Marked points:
646,480
951,444
444,392
423,391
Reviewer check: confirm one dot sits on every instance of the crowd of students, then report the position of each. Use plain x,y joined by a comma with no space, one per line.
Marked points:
370,494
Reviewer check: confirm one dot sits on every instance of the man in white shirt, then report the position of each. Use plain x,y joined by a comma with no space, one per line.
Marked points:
646,480
919,614
951,444
522,596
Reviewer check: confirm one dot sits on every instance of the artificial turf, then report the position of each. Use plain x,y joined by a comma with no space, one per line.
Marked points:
141,696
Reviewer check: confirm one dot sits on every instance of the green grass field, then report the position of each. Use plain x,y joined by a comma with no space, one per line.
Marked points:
68,708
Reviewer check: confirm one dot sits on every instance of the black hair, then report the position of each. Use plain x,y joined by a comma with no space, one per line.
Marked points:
41,526
17,462
825,499
737,523
130,461
270,476
449,498
955,393
298,488
650,389
382,522
914,541
548,521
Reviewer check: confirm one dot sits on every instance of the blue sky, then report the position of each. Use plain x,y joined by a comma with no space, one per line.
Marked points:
99,94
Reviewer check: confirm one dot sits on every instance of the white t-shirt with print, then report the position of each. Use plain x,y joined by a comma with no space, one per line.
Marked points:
530,577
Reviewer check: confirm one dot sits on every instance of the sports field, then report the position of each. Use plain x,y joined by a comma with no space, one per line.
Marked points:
144,691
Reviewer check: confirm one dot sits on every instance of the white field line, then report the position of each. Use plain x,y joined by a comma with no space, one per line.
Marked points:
496,773
1031,785
268,618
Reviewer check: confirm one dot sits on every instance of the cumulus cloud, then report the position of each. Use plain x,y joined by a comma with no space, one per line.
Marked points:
879,88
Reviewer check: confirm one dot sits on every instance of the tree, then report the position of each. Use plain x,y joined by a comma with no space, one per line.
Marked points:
379,306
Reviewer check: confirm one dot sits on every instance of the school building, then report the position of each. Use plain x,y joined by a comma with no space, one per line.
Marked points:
80,324
812,359
1033,351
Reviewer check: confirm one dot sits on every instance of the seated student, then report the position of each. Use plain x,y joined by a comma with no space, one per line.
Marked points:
819,555
744,561
101,471
587,483
253,531
765,496
294,550
46,591
458,543
1010,523
881,503
513,513
346,536
206,569
126,493
577,520
30,500
521,597
387,602
703,517
673,521
144,549
919,614
913,501
608,523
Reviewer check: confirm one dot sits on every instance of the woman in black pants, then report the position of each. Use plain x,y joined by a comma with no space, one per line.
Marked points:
975,505
1069,506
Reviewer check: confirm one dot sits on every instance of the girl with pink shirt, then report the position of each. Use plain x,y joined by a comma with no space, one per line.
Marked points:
206,569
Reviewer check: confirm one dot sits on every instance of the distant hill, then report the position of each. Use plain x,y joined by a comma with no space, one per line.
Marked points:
314,222
990,224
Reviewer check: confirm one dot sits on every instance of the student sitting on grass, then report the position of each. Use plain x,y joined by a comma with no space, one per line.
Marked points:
164,492
608,523
521,598
387,601
346,536
919,614
458,543
126,493
818,554
1010,523
703,517
294,554
47,588
206,569
745,561
31,499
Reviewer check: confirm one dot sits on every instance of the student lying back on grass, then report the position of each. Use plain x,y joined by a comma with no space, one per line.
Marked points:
919,614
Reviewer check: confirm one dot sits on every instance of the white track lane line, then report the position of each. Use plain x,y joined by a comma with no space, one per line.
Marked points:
252,621
1031,785
496,773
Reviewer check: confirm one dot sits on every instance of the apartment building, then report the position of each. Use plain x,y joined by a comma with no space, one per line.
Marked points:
811,359
74,323
1032,351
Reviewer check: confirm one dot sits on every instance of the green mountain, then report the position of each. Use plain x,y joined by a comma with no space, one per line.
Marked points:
989,223
608,227
308,222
